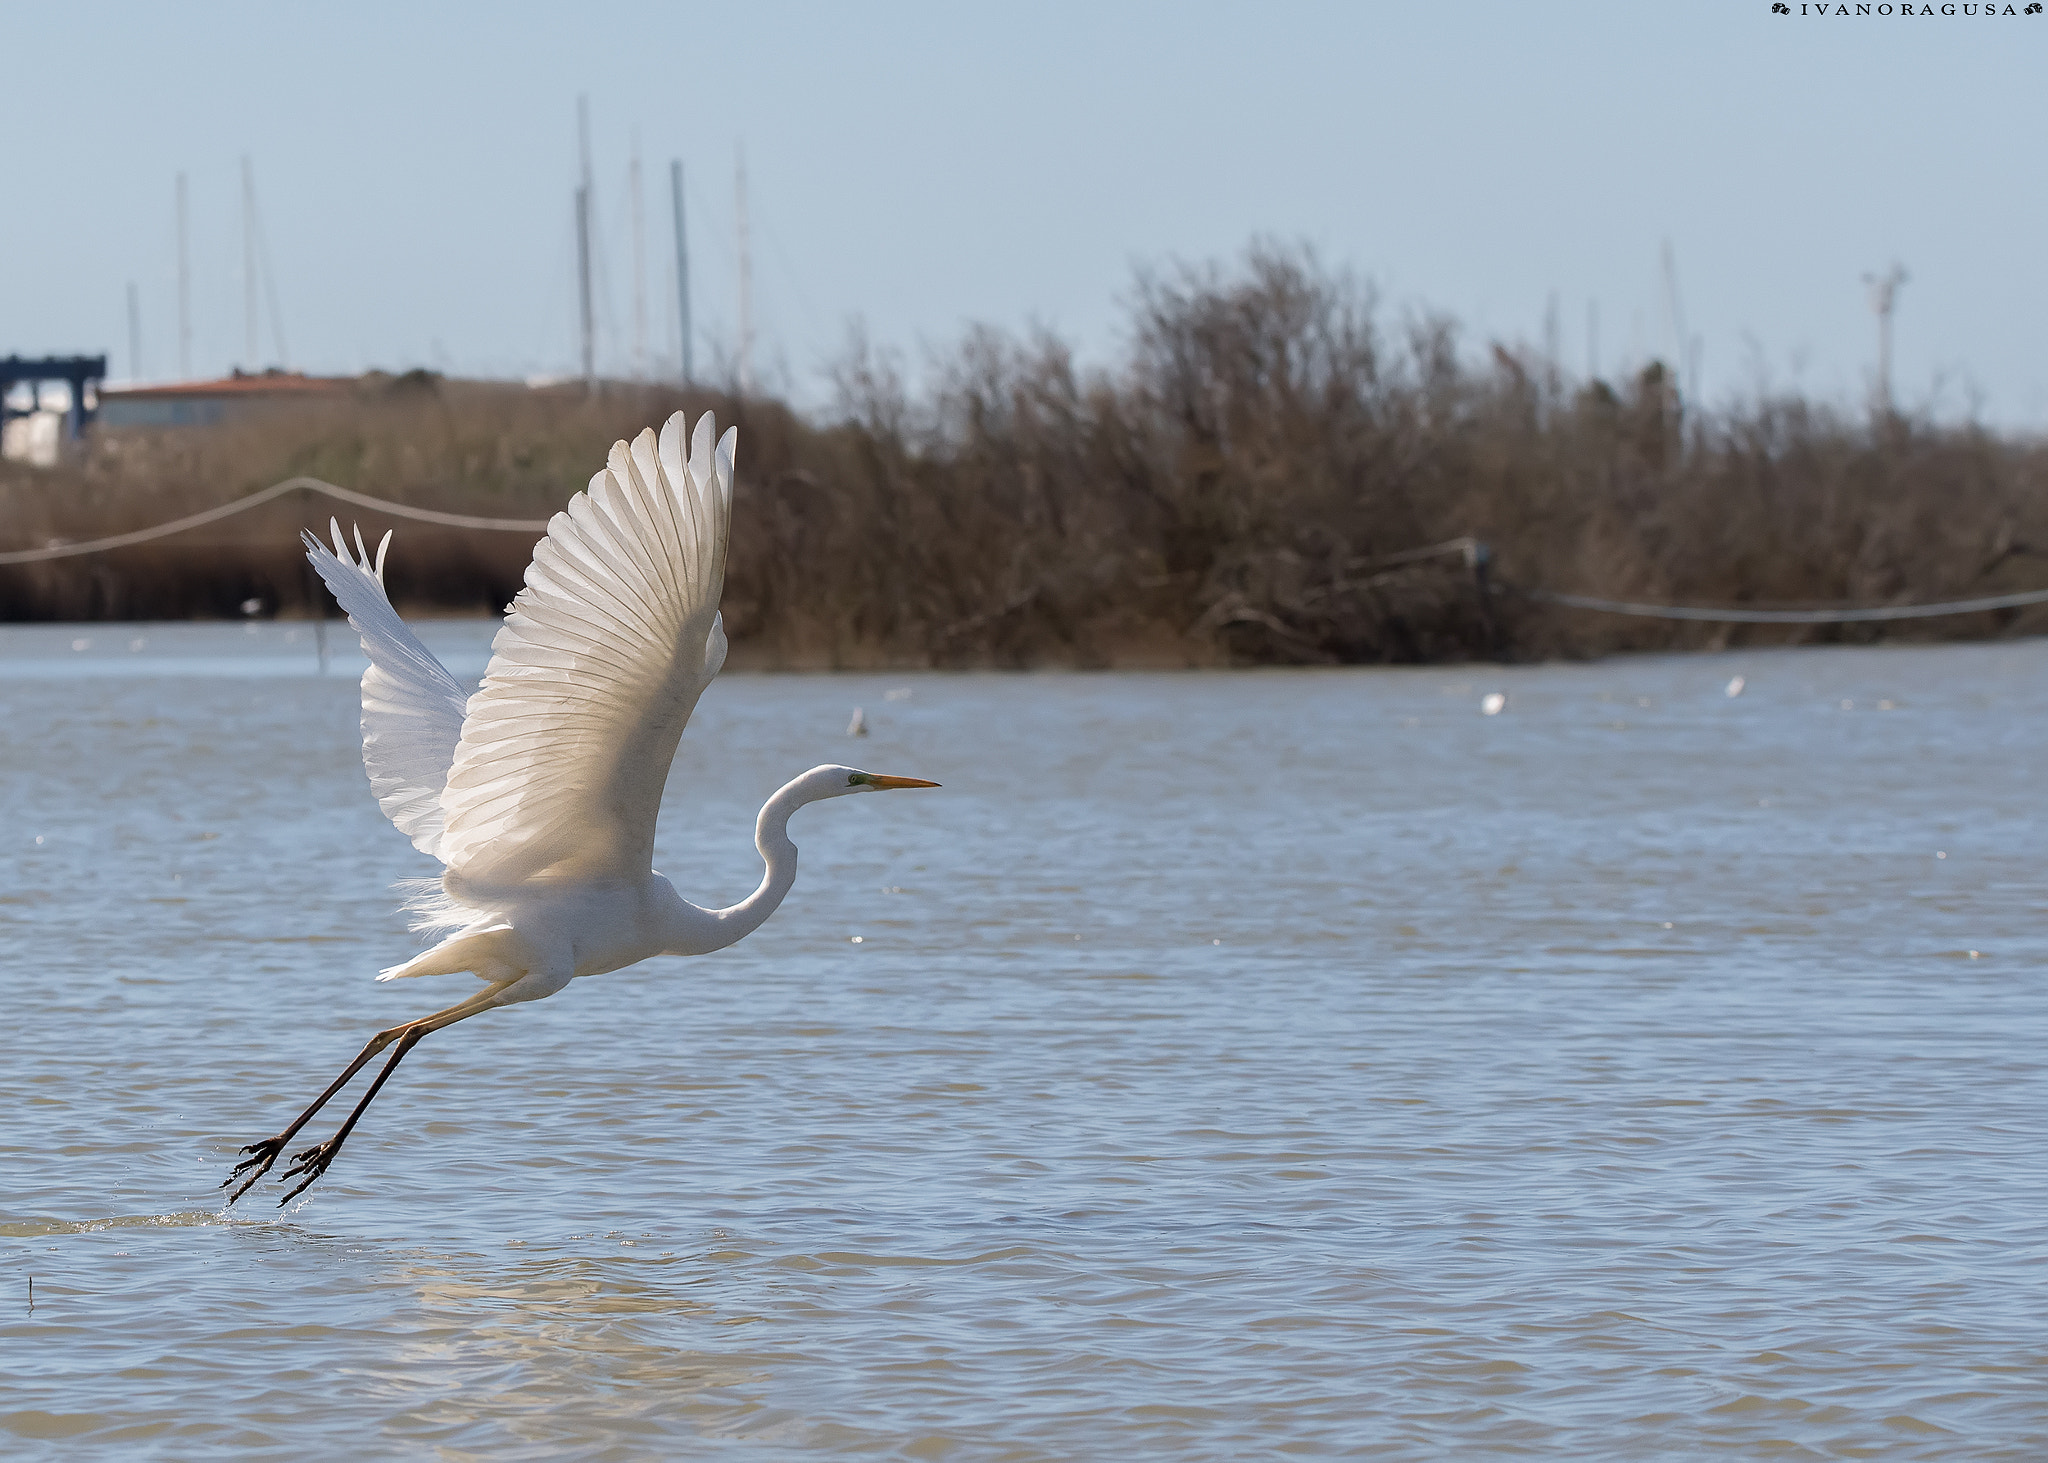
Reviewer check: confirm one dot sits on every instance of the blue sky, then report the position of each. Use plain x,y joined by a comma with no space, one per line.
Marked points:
919,167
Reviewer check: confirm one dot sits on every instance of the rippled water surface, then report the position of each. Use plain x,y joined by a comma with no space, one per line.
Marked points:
1221,1066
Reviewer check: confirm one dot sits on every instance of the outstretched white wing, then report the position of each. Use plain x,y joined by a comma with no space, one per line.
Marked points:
412,706
567,745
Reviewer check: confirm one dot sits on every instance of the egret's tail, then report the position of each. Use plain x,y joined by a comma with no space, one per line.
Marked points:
493,954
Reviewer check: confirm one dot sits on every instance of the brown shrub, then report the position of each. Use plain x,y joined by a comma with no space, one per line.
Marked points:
1241,489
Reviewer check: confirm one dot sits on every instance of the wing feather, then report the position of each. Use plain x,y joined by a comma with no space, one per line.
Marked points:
561,762
412,706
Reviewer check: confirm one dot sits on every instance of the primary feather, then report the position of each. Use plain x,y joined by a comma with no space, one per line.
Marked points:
412,706
566,747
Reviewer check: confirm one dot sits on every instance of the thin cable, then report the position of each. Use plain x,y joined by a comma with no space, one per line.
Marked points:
264,495
1465,545
1790,617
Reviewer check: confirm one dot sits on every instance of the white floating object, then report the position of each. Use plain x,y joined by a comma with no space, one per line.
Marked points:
1492,704
252,606
858,727
83,642
900,693
1734,687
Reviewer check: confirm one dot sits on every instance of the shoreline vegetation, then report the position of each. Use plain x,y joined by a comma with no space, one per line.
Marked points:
1231,493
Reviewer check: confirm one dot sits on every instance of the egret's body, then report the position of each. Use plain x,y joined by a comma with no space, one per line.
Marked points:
537,939
539,792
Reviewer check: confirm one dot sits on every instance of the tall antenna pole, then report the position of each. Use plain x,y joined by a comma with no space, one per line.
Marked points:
1592,340
184,288
739,184
1884,296
268,271
134,334
1553,346
1675,312
639,268
583,247
249,263
583,287
675,193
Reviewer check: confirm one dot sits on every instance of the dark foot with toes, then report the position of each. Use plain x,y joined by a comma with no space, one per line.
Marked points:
312,1163
257,1164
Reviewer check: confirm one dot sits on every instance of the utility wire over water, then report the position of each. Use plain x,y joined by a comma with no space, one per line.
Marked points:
306,485
1233,1064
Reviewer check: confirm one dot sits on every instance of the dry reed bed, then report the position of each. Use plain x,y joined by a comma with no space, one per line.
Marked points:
1227,495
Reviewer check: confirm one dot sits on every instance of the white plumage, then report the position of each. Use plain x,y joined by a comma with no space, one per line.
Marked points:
539,792
556,765
412,707
567,746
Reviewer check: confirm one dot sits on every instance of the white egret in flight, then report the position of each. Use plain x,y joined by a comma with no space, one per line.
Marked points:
539,792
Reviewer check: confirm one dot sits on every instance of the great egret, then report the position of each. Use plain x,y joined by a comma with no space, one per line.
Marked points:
540,791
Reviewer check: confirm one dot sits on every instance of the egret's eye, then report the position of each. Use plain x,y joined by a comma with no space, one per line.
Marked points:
855,779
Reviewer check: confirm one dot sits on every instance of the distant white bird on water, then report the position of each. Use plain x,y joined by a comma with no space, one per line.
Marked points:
1734,687
858,727
539,792
1493,703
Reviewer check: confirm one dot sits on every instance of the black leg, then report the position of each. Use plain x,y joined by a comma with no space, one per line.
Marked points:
314,1161
262,1155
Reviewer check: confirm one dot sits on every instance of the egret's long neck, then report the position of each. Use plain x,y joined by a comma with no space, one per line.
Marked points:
771,836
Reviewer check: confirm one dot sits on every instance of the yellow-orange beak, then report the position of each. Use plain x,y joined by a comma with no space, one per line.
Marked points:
885,783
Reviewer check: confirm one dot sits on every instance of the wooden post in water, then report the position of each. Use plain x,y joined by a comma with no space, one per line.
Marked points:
317,594
1479,559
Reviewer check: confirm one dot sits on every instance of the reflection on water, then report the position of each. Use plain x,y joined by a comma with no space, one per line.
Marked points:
1227,1064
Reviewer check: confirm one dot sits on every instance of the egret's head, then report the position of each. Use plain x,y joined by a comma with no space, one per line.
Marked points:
836,782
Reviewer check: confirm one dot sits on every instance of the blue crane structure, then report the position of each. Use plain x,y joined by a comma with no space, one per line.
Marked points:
78,372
